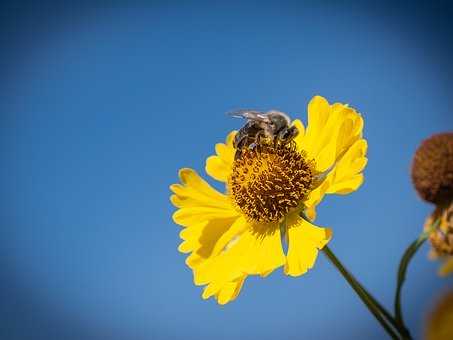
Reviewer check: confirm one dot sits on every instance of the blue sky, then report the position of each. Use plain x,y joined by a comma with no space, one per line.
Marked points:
102,105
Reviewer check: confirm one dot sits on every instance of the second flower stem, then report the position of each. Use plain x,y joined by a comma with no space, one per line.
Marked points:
404,263
379,312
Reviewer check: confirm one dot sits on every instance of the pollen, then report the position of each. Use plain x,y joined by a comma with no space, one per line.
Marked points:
268,181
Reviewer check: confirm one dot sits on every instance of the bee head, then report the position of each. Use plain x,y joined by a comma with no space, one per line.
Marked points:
288,134
278,121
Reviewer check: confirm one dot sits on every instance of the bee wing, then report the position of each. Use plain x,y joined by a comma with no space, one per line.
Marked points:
250,115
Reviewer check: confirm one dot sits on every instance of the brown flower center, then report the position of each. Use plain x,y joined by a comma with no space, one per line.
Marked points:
269,180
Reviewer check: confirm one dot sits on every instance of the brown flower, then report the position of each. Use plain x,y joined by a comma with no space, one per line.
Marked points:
432,169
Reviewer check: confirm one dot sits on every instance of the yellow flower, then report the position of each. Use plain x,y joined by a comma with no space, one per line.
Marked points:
238,233
439,325
447,266
442,237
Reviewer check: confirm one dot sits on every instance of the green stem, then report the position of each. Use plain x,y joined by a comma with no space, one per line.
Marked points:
381,308
402,269
363,294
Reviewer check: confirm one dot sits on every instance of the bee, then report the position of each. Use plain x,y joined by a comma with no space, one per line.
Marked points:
274,126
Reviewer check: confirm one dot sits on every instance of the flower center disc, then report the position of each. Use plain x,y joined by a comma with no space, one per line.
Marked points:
269,180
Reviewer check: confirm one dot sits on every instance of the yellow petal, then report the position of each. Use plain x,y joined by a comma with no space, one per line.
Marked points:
189,216
315,197
318,112
326,157
346,175
194,191
347,186
204,238
350,131
262,250
219,166
221,265
311,213
300,126
211,224
198,201
252,250
331,131
207,241
447,267
230,291
226,292
304,242
328,133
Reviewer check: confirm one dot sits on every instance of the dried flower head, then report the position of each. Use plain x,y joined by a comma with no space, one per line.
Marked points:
432,169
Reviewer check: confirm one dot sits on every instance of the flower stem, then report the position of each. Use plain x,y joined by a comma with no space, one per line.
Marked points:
381,315
404,263
381,308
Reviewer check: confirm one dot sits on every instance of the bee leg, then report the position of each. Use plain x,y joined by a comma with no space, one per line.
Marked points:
258,137
256,144
282,137
239,139
239,145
